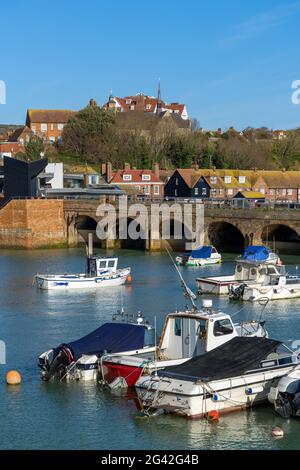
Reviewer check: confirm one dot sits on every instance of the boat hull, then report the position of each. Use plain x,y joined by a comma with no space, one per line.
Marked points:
62,282
253,294
196,400
217,286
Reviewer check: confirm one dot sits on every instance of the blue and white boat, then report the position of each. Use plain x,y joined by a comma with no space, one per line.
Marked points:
202,256
100,272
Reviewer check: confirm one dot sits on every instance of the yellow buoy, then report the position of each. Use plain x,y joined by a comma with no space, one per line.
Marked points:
13,377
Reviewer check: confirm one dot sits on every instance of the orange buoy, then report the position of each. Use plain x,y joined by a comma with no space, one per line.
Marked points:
129,278
213,415
13,377
277,432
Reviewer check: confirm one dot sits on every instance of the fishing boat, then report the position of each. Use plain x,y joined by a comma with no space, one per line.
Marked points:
100,272
237,375
185,334
286,396
277,286
80,359
202,256
253,266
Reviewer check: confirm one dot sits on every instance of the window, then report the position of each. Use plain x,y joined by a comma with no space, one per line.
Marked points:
284,192
132,107
148,106
213,179
223,327
204,191
271,192
126,177
177,327
111,264
156,190
33,128
102,264
176,182
146,177
242,179
128,101
147,190
51,127
262,190
176,193
52,138
196,191
230,192
60,127
44,127
290,192
213,192
227,179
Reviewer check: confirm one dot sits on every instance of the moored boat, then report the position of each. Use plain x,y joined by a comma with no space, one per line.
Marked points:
237,375
286,396
278,286
202,256
253,266
100,272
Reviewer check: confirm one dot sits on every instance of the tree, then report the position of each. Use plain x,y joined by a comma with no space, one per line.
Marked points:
285,153
34,148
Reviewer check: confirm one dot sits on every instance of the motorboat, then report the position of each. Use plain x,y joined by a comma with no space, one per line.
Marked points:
80,359
185,334
202,256
286,396
237,375
277,286
253,266
100,272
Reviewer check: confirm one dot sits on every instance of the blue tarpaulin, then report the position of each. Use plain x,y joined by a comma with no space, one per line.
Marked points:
110,337
256,253
202,252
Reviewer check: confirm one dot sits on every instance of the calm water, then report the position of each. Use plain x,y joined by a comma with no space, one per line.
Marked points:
39,415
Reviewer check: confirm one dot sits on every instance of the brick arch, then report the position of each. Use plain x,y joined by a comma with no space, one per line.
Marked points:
282,236
226,236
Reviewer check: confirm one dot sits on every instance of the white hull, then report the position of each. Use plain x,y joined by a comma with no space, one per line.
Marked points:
81,281
215,285
195,400
254,293
214,259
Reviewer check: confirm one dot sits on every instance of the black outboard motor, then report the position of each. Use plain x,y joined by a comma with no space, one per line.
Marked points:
54,362
236,292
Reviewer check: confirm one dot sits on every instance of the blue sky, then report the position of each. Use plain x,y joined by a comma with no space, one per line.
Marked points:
231,62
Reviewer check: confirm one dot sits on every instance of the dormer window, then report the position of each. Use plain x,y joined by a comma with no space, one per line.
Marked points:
128,101
146,177
213,179
227,179
126,177
242,179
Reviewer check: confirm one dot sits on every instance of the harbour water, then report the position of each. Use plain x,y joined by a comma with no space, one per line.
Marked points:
38,415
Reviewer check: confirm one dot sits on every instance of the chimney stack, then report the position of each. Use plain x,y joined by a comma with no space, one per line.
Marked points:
194,166
126,166
103,169
156,170
108,172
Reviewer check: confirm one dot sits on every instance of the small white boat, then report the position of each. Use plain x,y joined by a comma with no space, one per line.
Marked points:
286,396
279,286
202,256
100,272
253,266
80,359
185,335
237,375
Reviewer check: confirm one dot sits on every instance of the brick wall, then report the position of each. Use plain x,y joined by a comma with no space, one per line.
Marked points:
32,223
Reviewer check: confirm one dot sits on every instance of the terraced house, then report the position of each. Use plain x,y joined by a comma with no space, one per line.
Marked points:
279,186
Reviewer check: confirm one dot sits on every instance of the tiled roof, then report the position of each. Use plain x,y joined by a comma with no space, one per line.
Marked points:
251,194
14,137
136,177
49,115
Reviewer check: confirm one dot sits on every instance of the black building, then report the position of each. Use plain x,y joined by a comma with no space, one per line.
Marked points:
20,178
187,184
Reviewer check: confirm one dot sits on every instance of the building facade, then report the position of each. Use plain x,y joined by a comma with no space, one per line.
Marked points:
48,124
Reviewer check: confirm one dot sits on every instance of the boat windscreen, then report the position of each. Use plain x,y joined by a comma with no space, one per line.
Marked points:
232,359
110,337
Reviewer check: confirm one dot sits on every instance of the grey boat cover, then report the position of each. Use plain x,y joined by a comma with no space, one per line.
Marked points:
232,359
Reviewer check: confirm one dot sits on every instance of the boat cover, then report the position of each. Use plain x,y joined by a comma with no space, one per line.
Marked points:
202,252
110,337
232,359
256,253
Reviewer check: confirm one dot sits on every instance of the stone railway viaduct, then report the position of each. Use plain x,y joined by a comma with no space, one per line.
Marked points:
32,223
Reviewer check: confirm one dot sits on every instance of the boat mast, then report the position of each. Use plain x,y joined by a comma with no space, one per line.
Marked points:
187,291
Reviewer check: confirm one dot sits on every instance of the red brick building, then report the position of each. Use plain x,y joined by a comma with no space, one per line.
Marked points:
16,141
48,123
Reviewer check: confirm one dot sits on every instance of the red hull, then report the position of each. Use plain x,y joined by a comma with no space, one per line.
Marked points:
130,373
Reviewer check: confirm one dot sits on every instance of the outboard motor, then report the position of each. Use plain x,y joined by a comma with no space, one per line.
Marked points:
236,292
53,363
287,402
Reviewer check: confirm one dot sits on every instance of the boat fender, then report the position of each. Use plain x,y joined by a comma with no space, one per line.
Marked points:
217,397
254,390
277,433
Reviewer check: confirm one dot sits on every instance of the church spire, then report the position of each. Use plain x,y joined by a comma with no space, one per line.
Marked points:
159,102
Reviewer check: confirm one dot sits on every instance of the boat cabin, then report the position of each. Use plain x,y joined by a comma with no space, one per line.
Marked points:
191,333
259,273
97,265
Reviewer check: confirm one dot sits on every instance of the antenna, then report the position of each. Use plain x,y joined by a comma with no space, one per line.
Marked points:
187,291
